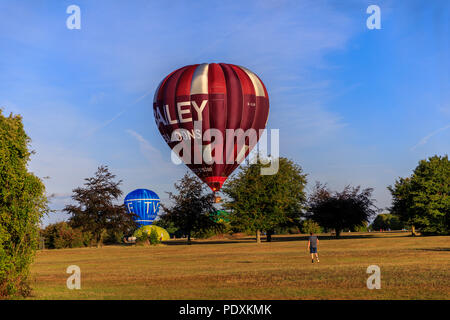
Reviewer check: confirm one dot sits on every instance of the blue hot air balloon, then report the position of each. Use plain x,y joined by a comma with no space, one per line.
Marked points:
145,204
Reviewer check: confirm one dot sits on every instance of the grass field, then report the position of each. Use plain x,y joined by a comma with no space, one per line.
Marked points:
411,268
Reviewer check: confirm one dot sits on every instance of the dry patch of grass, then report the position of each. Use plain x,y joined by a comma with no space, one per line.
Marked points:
411,268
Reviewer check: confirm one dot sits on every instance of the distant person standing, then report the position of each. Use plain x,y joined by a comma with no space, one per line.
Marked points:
313,243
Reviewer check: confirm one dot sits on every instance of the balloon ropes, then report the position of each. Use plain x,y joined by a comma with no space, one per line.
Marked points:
211,116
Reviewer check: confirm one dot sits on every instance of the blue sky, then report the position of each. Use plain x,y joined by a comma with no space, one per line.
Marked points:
353,105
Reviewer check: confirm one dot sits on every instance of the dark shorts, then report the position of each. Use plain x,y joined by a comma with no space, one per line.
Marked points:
312,250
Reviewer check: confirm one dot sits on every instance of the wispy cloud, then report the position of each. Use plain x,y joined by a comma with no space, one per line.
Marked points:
150,152
310,124
160,165
425,139
445,109
117,116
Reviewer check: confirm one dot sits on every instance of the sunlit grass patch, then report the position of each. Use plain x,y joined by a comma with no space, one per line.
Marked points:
411,268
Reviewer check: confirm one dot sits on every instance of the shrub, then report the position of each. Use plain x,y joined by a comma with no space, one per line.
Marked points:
142,238
113,237
286,230
219,229
88,239
153,238
293,230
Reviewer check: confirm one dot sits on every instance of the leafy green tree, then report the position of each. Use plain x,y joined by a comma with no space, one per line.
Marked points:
348,209
22,204
61,235
386,221
191,207
423,199
165,223
364,227
264,202
309,225
113,237
97,211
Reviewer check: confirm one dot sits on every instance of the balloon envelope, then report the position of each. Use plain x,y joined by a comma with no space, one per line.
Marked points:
194,99
145,204
163,235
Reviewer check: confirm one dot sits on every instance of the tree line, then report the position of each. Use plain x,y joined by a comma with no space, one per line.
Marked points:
256,204
253,203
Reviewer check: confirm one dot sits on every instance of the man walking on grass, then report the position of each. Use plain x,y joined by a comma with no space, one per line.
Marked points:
313,243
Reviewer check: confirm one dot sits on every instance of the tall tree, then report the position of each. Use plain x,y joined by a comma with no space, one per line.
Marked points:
264,202
97,211
348,209
423,199
191,208
22,204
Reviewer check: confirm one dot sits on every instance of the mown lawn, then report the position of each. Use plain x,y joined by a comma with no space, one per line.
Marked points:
411,268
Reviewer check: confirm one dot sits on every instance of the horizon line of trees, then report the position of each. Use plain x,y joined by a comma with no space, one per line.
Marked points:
259,204
255,204
278,204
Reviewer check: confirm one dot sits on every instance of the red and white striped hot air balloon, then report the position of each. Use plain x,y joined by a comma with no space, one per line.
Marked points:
194,99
